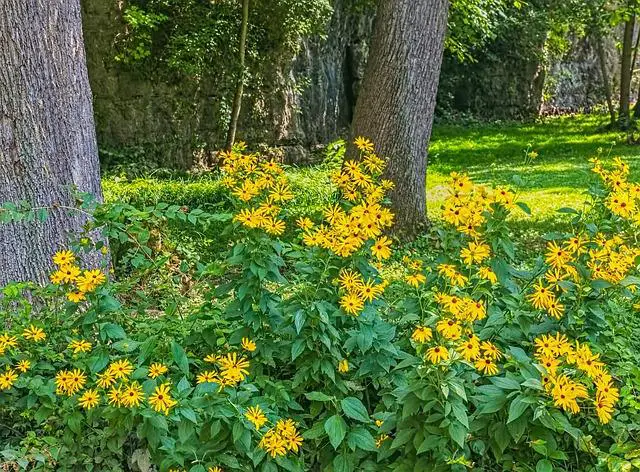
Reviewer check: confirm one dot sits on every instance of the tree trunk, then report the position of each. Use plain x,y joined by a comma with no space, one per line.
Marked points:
237,99
626,73
47,134
606,83
396,103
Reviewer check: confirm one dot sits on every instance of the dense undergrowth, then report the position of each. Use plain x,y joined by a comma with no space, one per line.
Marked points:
285,331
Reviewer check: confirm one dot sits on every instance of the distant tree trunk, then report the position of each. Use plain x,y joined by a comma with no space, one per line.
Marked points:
47,134
237,99
396,103
626,73
606,83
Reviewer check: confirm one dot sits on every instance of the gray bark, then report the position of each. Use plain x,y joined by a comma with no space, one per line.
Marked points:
47,135
398,97
626,72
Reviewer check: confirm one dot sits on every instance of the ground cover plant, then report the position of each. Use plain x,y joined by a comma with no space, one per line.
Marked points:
313,342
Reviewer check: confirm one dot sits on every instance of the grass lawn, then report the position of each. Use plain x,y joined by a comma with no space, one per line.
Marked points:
494,153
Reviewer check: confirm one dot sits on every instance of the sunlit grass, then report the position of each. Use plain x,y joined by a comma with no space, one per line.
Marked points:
494,153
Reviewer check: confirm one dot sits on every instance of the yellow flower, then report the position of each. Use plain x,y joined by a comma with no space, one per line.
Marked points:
23,366
115,396
415,280
363,144
105,379
75,297
233,368
350,280
437,354
304,223
208,376
382,438
7,379
490,350
121,369
450,329
487,274
351,304
90,279
132,395
557,256
157,369
79,345
256,416
69,273
211,358
57,277
161,400
34,333
343,366
248,345
89,399
381,248
70,382
215,469
487,366
63,258
470,350
422,334
379,423
475,253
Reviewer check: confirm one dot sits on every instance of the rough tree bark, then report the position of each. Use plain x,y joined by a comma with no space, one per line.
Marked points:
626,73
237,99
396,103
47,135
606,82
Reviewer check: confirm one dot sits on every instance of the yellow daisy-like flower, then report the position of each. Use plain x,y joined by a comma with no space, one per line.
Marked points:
161,399
449,328
7,379
381,248
121,369
364,144
352,304
208,376
256,416
422,334
63,258
69,273
233,368
75,297
437,354
487,366
343,366
157,369
132,396
105,379
23,365
304,223
215,469
248,345
115,396
79,345
212,358
90,279
89,399
34,334
415,280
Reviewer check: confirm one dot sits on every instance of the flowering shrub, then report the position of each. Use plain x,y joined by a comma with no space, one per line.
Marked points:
316,343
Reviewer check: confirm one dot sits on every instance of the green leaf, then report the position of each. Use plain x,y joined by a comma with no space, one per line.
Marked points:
458,433
460,413
544,465
113,331
336,429
318,397
517,408
354,408
524,207
341,464
180,357
360,438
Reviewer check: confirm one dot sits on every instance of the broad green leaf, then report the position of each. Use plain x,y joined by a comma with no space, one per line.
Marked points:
354,408
336,429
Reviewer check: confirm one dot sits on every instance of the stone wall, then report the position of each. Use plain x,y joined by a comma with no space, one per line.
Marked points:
304,101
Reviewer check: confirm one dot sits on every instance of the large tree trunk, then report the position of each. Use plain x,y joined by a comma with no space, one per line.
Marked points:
47,135
626,72
396,103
